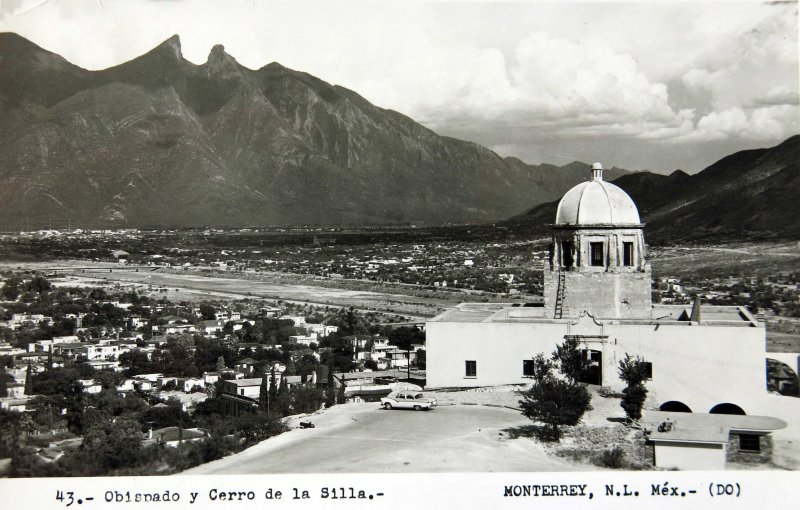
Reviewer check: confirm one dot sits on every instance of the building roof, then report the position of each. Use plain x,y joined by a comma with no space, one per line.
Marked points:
173,434
253,381
713,315
597,202
707,428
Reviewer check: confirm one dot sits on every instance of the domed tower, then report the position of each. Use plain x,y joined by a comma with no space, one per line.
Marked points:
597,259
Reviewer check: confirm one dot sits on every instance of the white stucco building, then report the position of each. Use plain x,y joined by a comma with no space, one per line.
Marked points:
597,289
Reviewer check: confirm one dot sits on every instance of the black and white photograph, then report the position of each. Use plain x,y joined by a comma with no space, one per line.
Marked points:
398,237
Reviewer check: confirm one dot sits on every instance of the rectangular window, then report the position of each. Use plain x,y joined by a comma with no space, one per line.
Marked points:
527,368
471,368
627,254
596,254
749,443
241,392
648,369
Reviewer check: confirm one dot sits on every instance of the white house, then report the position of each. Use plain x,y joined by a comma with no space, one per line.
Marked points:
304,339
90,386
190,383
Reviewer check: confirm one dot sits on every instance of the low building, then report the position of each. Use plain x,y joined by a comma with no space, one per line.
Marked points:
174,436
210,378
211,327
304,339
90,386
191,383
700,441
105,365
250,388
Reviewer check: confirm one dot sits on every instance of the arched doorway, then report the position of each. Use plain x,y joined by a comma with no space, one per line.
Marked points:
675,406
727,408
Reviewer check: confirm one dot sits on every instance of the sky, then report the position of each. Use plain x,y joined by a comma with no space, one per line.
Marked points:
657,85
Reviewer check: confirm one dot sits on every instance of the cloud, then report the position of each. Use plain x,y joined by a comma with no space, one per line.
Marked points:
743,83
766,123
753,83
549,81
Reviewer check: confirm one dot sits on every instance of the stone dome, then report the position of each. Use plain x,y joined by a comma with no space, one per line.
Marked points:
597,202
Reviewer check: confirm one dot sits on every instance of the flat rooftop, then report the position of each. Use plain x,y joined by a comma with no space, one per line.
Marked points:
660,314
253,381
707,428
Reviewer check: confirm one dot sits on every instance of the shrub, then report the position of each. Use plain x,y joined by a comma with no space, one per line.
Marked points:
613,458
633,372
555,402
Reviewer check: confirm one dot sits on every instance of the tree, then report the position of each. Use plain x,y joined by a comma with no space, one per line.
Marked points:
135,362
39,284
306,398
263,393
107,446
283,399
330,391
207,311
220,366
555,403
268,392
11,290
572,362
421,359
404,336
542,368
634,371
29,380
341,397
4,380
273,387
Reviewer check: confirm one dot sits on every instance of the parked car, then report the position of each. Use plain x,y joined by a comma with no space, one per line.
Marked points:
408,400
306,425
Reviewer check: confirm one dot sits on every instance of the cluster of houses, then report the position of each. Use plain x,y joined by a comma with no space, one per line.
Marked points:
105,353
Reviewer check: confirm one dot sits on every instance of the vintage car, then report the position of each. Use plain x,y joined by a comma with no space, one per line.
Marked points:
408,400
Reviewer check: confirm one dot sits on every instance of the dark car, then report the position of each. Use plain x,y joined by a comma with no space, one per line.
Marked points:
306,425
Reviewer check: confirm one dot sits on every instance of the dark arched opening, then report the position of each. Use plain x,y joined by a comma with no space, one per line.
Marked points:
727,408
674,406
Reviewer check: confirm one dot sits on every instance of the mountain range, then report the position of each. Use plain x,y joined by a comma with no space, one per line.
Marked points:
751,194
161,141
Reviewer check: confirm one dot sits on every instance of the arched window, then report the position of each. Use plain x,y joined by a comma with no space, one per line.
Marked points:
674,406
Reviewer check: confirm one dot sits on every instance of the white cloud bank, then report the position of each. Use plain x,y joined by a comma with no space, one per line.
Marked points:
583,87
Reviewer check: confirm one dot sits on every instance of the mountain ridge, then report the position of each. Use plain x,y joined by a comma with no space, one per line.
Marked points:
159,140
750,194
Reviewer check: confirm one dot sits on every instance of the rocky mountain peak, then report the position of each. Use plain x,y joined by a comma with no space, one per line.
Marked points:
173,44
220,62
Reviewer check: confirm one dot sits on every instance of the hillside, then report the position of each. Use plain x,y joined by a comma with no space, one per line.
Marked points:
752,194
160,141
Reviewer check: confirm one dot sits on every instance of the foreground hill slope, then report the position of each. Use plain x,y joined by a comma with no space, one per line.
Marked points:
162,141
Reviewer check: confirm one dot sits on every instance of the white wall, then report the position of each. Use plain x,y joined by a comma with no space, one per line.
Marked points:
700,366
690,456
